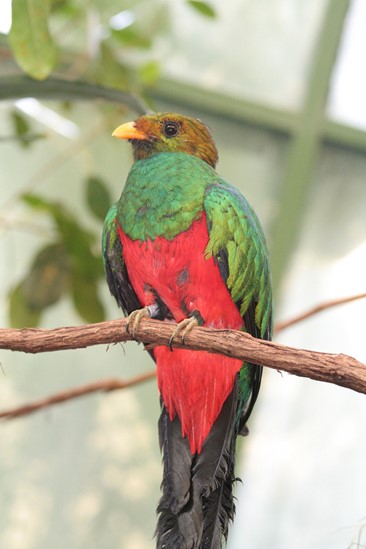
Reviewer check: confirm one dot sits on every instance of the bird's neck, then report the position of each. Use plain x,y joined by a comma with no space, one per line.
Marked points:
163,195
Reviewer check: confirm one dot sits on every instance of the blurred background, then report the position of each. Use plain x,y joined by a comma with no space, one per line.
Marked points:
282,85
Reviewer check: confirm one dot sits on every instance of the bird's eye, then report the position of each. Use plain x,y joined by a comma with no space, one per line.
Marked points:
171,129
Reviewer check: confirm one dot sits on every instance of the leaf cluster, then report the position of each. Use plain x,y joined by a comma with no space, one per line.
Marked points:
68,265
70,49
104,43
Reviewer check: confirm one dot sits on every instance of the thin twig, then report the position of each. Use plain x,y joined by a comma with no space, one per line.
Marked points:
315,310
104,385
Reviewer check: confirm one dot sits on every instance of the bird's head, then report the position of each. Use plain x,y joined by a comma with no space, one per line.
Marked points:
169,132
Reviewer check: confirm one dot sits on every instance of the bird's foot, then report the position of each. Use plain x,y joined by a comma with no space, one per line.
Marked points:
185,326
135,317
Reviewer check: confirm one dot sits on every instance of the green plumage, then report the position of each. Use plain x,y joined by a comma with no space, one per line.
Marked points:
235,228
166,191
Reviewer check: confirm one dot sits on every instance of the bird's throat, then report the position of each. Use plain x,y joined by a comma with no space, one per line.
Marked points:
163,195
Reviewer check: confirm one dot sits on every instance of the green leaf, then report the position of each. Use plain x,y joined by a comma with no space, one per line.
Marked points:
70,264
77,241
132,38
30,39
66,8
22,130
20,315
149,73
48,278
64,221
29,138
21,126
86,299
97,197
109,71
203,8
34,201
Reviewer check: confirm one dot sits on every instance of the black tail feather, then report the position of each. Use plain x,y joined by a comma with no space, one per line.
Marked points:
219,510
215,469
174,524
197,502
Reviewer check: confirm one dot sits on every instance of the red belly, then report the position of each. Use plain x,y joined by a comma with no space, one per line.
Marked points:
193,384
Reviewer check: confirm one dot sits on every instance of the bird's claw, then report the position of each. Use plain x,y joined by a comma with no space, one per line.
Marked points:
183,328
134,320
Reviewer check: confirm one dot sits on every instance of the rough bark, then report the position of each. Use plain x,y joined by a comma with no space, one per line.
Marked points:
338,369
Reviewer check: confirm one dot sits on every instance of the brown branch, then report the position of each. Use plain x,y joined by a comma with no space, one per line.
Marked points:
339,369
113,384
104,385
315,310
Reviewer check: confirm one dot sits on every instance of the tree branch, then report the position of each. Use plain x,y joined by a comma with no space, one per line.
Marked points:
15,340
340,369
16,87
315,310
104,385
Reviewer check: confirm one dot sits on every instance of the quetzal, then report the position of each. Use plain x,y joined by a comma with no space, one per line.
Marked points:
182,244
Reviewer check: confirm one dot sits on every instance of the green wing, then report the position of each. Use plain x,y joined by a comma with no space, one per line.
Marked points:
114,265
238,246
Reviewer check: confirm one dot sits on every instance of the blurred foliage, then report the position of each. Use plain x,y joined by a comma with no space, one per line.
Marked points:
99,43
30,39
68,265
203,7
106,42
98,197
22,129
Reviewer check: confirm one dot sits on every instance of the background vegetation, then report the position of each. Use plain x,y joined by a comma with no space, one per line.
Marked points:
266,77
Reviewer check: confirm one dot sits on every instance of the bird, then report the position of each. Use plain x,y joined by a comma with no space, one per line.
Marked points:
181,244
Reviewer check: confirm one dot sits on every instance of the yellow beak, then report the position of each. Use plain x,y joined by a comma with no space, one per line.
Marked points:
129,131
